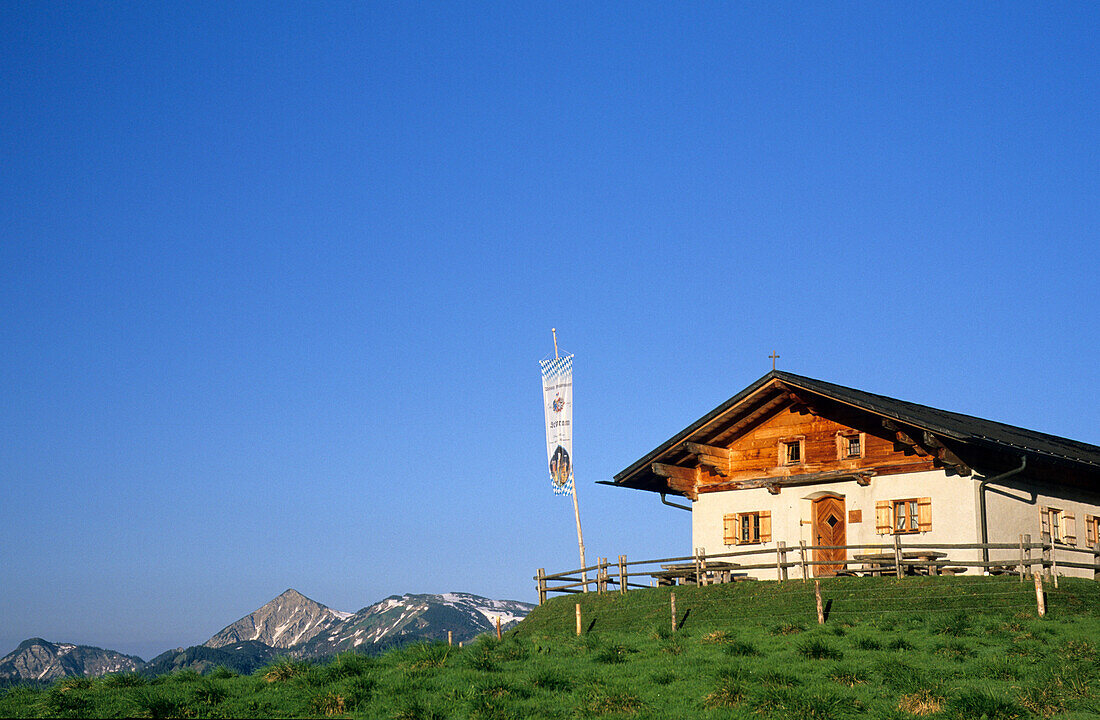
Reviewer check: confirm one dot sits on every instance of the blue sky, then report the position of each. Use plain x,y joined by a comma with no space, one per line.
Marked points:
275,278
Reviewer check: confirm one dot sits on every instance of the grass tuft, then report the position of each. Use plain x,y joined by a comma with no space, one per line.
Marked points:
849,677
282,670
614,654
740,648
1042,700
972,704
899,643
866,643
552,679
729,691
817,649
598,700
787,629
922,702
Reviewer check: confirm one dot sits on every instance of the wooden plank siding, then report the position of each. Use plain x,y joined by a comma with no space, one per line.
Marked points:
758,452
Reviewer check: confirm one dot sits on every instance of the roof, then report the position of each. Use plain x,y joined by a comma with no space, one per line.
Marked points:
965,429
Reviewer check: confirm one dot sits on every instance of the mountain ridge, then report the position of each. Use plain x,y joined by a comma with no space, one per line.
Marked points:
300,627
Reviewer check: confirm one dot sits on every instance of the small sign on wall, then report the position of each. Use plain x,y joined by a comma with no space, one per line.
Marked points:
855,516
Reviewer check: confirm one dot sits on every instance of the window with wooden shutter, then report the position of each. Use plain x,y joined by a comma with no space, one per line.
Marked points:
729,529
1069,529
747,527
1044,521
766,526
1092,530
924,512
884,517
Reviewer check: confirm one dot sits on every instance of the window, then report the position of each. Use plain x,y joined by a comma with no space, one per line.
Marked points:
849,445
853,446
790,452
1092,530
898,517
747,527
1058,525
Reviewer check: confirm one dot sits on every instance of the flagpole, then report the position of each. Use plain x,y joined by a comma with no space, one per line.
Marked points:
576,508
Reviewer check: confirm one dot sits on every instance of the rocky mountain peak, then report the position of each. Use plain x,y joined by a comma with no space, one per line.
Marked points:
38,659
287,620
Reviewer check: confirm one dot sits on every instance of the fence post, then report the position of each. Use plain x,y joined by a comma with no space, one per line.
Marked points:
1054,563
498,627
698,573
622,574
1020,565
450,637
1046,556
1040,601
578,619
897,556
542,585
1096,560
802,559
820,608
781,560
1027,552
672,606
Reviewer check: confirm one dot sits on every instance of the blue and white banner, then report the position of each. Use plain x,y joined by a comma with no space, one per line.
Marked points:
557,400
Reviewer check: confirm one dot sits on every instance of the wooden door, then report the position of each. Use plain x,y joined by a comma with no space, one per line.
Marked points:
829,530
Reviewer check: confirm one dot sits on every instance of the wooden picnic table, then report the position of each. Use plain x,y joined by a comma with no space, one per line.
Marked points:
884,562
719,572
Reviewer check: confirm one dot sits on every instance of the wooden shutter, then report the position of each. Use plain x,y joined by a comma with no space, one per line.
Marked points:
1044,521
729,529
884,517
924,514
765,526
1069,534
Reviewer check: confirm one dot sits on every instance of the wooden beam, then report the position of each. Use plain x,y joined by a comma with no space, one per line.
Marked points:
681,479
698,449
944,455
773,484
675,471
715,459
901,438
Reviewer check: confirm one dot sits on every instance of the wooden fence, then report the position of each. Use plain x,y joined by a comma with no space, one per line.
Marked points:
704,569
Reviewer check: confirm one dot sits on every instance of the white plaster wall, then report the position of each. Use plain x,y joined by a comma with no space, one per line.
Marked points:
1012,509
954,515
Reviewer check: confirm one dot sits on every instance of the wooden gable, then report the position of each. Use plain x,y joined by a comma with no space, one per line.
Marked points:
741,445
757,455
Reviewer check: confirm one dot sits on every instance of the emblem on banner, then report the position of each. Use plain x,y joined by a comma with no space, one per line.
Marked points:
560,470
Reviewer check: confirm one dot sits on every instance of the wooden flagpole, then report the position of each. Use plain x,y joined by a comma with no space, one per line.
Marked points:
576,508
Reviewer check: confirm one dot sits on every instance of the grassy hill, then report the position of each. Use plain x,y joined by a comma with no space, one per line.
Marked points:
961,648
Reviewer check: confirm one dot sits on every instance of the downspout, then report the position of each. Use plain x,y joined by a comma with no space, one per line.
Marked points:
981,502
671,504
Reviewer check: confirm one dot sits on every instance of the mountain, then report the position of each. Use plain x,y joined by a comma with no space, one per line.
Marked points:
291,624
245,658
37,659
398,620
288,620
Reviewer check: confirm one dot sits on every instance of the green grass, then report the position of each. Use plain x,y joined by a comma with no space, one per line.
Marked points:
953,648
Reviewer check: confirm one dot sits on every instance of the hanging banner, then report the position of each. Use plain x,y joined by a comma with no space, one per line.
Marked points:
557,400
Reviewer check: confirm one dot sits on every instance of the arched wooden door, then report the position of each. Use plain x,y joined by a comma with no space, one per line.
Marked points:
829,529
